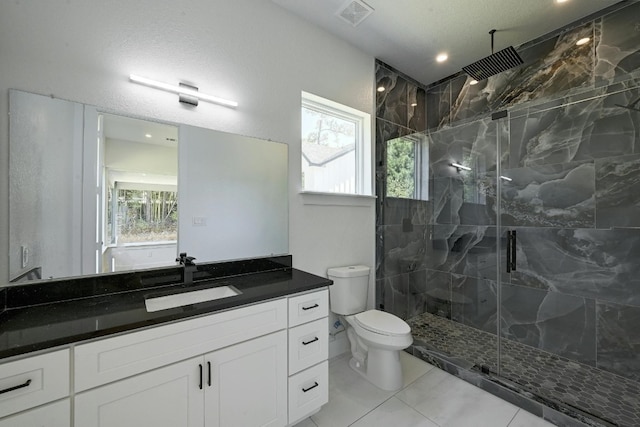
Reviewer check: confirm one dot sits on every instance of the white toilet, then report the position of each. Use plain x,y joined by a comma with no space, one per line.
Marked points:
376,337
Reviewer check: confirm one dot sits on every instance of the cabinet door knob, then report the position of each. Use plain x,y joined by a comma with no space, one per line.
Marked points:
309,342
310,307
315,384
16,387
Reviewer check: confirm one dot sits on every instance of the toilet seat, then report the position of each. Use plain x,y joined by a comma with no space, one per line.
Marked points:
380,322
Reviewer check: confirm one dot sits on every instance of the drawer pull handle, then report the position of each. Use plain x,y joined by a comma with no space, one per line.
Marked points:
16,387
209,376
309,342
200,385
315,384
310,307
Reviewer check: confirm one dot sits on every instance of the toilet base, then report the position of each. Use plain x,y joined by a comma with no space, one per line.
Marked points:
382,368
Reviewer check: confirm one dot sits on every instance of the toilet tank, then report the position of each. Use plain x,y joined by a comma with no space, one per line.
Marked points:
348,294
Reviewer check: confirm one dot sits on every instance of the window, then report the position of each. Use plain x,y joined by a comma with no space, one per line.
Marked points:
408,167
336,147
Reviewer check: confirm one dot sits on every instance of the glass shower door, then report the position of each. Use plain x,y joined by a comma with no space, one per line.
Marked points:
452,296
569,197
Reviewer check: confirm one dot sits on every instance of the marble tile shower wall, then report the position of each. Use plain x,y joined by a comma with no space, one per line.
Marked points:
401,223
571,147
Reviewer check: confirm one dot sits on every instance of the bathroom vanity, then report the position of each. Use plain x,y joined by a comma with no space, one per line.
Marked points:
258,358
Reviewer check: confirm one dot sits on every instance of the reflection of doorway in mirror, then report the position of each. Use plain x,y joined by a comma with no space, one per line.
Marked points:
138,193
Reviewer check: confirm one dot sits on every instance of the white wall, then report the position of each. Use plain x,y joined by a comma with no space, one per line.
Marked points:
247,50
244,214
53,129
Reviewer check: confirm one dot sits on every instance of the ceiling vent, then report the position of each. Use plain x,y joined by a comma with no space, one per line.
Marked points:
354,12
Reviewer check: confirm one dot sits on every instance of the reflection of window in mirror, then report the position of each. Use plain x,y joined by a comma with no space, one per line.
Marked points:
475,181
408,167
139,193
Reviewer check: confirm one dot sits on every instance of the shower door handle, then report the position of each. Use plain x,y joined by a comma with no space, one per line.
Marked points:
511,251
514,244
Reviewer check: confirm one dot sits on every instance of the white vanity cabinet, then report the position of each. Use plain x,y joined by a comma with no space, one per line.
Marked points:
236,371
258,365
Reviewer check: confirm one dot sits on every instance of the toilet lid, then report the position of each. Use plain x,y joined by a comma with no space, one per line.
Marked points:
382,323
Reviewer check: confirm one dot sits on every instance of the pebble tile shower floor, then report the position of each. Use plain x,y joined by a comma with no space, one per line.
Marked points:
607,396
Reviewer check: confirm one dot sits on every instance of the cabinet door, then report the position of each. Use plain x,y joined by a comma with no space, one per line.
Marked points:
248,384
167,397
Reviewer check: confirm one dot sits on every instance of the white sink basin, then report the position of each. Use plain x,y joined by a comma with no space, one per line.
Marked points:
187,298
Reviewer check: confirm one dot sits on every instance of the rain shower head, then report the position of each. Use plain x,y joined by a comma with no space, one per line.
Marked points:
495,63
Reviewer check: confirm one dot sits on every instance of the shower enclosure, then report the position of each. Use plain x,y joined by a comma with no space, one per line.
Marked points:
508,233
526,269
517,258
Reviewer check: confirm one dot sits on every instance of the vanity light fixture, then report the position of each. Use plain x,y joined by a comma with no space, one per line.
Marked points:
459,167
188,94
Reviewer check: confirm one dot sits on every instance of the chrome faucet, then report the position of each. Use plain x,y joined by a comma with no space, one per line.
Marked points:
189,268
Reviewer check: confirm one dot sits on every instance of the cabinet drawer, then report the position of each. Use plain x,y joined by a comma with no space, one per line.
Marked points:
308,391
307,307
308,345
52,415
33,381
111,359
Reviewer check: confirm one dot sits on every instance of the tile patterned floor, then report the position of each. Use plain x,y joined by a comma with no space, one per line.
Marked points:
430,398
607,396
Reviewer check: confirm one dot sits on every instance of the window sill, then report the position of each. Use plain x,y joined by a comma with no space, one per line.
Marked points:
336,199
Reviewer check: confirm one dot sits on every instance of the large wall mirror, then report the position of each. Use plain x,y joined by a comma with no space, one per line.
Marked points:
95,192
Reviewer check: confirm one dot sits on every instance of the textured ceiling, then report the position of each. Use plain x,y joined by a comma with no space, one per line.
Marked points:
408,34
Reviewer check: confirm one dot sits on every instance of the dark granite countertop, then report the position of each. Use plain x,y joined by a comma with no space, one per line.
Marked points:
52,322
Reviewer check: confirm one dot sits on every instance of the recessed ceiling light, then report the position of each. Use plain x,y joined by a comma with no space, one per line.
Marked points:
442,57
381,89
582,41
561,1
473,82
147,135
